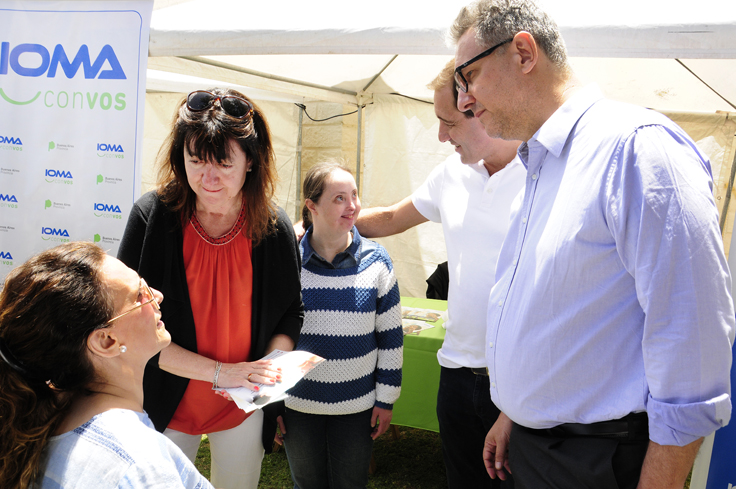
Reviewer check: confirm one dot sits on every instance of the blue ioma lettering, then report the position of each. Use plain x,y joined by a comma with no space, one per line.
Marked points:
118,148
50,63
5,255
8,198
58,174
10,140
108,208
53,234
109,211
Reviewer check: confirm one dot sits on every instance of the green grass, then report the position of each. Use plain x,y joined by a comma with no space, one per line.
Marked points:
413,461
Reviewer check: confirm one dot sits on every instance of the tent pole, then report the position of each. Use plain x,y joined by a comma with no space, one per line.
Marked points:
379,73
729,189
298,201
357,159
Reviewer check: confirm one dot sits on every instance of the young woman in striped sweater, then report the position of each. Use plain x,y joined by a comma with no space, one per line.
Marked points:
352,319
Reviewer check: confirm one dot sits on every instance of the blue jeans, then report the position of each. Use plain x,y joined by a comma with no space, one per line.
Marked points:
466,413
328,450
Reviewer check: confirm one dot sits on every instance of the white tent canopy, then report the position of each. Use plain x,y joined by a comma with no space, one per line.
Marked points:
296,48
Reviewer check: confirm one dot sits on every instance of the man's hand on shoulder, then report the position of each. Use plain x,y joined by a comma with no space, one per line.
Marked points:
378,222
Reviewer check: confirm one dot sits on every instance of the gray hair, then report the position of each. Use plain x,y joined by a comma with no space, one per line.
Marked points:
495,21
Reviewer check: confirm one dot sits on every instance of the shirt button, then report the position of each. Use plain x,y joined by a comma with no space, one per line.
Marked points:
523,220
490,344
534,177
493,384
500,303
489,191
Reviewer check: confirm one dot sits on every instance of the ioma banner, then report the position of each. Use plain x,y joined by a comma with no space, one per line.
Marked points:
72,94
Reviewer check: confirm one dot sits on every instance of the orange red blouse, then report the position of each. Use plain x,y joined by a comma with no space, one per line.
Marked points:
220,279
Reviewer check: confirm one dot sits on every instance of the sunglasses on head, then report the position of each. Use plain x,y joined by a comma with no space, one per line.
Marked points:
233,106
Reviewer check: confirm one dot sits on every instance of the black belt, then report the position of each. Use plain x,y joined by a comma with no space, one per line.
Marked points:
634,426
480,371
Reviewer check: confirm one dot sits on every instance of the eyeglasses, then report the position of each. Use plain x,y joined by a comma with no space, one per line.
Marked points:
147,298
233,106
460,81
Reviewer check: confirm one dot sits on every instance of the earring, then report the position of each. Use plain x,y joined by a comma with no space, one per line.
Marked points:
123,348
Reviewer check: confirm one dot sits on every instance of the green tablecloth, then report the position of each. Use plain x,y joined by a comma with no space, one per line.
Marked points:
421,373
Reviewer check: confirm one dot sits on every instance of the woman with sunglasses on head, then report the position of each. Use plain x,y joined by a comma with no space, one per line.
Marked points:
353,320
210,238
76,330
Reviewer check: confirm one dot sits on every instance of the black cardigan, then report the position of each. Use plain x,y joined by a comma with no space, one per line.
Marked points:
153,246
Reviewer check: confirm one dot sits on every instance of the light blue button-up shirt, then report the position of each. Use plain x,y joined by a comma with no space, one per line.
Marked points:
613,292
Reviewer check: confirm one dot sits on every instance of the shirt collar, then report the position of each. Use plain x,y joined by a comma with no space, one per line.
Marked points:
307,251
354,247
556,130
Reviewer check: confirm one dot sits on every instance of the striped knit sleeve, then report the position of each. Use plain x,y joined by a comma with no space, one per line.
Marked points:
390,336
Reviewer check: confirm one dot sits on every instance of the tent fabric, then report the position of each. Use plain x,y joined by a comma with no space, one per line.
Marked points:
715,134
401,149
628,28
289,44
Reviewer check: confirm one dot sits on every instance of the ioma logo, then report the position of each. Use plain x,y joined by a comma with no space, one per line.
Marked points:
35,60
50,63
110,150
11,143
8,200
54,234
108,211
6,258
59,176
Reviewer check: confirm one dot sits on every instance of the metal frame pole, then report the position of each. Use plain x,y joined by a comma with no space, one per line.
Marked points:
297,203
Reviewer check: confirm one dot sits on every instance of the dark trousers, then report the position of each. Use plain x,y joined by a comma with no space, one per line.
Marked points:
466,413
328,450
584,462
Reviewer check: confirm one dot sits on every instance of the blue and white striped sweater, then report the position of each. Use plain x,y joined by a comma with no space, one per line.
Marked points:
352,318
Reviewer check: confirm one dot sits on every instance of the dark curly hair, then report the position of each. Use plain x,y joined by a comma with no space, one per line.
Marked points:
48,308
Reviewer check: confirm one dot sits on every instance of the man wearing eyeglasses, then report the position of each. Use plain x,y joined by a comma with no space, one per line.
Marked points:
611,322
470,194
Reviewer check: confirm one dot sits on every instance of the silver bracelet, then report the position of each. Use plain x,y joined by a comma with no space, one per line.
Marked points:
218,366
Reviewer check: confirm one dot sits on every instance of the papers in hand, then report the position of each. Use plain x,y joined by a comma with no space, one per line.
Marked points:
293,364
